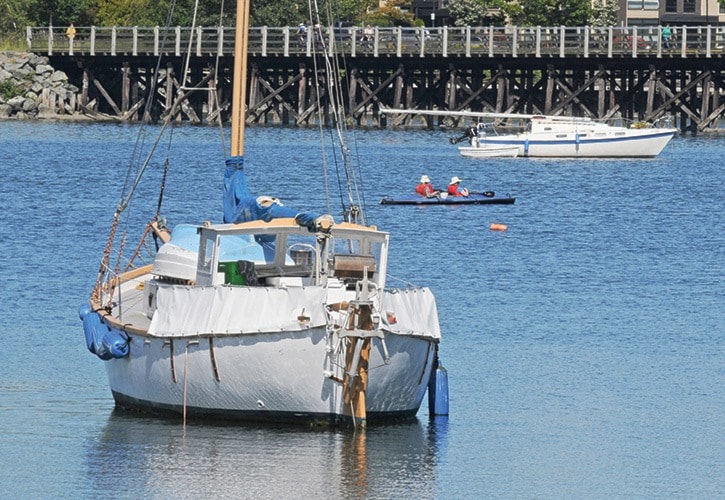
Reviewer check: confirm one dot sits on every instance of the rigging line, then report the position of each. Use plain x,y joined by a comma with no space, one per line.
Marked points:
217,61
337,140
357,186
333,70
191,43
342,128
104,268
136,154
142,169
312,34
334,103
164,176
154,80
126,192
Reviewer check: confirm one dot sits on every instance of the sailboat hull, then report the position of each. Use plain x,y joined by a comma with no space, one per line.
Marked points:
622,143
282,377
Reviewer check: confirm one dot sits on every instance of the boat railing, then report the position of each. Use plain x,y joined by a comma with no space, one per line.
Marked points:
445,41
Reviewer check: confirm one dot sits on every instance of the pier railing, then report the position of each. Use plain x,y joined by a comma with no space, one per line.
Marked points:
508,41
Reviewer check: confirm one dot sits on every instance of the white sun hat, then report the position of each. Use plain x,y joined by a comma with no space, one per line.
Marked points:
266,201
424,179
455,180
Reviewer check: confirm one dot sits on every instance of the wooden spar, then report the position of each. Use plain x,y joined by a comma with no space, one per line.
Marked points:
239,88
355,381
357,358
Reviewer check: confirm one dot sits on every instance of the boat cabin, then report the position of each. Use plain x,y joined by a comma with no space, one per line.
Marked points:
276,253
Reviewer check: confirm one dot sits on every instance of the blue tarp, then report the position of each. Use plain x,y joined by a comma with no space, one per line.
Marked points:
240,205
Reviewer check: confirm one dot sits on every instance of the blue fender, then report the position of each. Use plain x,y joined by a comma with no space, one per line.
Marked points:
101,340
438,390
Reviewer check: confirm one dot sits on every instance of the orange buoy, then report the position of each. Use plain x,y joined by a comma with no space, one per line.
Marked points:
498,227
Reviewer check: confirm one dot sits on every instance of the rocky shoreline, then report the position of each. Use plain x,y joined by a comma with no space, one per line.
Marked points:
32,89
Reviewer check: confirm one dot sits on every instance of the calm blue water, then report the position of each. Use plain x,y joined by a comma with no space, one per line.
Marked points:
585,346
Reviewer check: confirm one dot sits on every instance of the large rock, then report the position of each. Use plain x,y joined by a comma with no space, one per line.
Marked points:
30,105
16,102
58,76
42,69
44,92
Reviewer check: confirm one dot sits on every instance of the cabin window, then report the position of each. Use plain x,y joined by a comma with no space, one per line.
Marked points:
688,6
301,254
352,256
207,245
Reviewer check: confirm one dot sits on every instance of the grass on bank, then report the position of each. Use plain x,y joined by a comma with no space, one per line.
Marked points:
12,44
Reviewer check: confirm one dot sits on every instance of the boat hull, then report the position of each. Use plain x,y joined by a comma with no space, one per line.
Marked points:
267,377
489,151
629,143
472,199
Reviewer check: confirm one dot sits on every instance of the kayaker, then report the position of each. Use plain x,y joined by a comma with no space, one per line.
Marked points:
455,189
425,188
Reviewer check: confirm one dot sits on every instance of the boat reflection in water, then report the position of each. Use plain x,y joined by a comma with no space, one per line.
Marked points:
136,457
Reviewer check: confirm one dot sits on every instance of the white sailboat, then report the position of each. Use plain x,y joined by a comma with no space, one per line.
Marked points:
272,315
568,137
545,136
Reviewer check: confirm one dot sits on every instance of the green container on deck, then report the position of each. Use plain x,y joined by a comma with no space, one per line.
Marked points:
231,273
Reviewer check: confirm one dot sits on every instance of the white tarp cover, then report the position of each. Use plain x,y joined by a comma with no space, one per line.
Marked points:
415,312
224,310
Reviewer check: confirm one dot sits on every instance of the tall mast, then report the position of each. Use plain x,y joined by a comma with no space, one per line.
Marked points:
239,88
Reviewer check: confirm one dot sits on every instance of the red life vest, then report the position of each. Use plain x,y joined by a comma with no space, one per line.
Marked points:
424,189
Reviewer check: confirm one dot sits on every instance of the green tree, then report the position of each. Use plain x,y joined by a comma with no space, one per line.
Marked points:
393,13
156,13
604,13
279,13
483,12
554,13
13,19
292,12
59,12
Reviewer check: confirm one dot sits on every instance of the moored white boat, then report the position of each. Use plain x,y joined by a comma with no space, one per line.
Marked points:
567,137
554,136
273,314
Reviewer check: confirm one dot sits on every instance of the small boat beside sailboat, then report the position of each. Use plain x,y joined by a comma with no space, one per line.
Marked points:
477,150
273,314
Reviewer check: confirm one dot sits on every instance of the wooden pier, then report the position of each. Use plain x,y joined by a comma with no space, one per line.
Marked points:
603,73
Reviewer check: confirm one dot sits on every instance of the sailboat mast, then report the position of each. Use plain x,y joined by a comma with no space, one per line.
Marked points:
239,87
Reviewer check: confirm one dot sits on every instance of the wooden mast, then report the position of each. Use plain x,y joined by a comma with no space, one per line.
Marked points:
239,88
